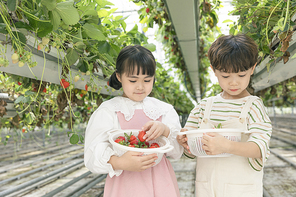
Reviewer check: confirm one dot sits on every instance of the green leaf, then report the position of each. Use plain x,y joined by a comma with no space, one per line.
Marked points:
134,30
74,139
18,38
32,22
29,93
12,5
78,36
21,24
55,19
82,66
67,12
103,47
103,13
3,28
49,4
93,32
108,58
81,138
227,21
103,3
44,28
19,99
79,46
151,47
89,9
30,117
71,56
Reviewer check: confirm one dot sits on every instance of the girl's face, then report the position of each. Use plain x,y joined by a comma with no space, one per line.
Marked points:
136,87
234,84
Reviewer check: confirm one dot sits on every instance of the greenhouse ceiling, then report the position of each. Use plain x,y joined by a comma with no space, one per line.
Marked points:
183,15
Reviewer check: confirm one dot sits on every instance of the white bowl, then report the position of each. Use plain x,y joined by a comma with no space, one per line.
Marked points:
195,136
163,142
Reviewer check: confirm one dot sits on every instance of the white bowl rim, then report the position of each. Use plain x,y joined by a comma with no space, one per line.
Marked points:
196,131
163,149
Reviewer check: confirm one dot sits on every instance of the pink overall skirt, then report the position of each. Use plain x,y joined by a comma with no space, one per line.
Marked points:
157,181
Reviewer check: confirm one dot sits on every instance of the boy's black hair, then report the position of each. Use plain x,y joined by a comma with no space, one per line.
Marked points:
132,58
233,53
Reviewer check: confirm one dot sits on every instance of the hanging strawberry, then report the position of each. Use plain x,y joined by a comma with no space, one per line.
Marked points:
64,83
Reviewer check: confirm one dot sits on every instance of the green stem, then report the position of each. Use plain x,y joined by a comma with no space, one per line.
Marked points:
287,13
266,32
32,16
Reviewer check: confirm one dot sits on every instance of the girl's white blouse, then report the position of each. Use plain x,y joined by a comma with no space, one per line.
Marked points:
98,150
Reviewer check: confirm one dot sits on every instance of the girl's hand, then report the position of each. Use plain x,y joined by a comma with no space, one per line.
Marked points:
133,161
214,143
154,129
182,140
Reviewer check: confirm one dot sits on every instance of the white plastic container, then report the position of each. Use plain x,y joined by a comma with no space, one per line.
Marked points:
195,136
163,142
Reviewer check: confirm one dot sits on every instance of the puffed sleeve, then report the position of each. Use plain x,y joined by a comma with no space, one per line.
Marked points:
261,129
171,119
97,149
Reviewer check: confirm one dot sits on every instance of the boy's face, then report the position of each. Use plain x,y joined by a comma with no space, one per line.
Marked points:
234,84
136,87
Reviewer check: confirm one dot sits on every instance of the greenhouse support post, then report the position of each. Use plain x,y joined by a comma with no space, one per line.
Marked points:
274,116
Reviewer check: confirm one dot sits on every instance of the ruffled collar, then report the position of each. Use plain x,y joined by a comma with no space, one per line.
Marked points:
153,108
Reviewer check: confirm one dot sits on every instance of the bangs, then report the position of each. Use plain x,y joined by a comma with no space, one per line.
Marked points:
233,60
139,63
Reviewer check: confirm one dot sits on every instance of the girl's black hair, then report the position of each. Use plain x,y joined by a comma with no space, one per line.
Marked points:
233,53
132,58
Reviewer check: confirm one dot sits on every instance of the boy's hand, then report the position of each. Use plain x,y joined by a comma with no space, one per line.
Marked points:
182,140
154,129
214,143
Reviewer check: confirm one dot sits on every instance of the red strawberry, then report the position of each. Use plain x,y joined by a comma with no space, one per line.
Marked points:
122,137
44,90
155,144
64,83
108,83
147,10
40,47
152,147
135,141
141,135
86,87
131,145
19,83
147,143
23,130
118,140
132,138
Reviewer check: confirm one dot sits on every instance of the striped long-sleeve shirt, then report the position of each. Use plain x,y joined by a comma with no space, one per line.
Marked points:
258,122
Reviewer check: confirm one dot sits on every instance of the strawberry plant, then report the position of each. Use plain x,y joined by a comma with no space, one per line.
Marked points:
271,24
87,42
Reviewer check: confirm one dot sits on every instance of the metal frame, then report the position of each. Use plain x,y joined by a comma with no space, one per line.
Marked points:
49,69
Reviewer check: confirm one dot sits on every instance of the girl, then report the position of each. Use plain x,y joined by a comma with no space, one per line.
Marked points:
133,174
233,60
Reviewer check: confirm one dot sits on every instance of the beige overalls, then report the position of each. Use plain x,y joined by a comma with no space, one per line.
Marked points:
227,176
